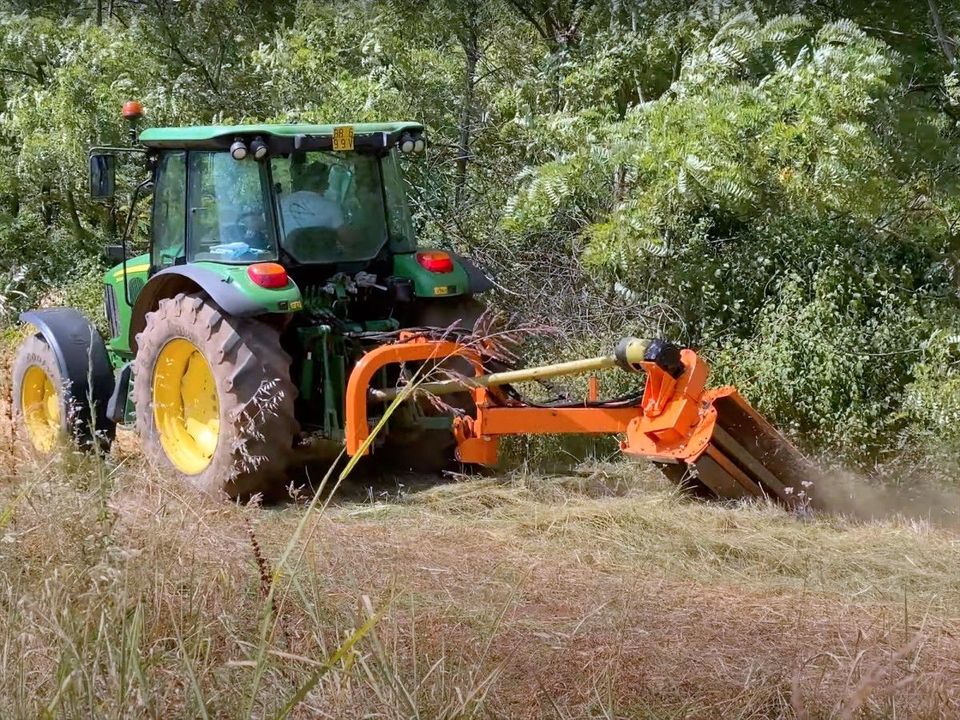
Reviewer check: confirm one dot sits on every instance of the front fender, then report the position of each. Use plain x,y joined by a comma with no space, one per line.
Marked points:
84,364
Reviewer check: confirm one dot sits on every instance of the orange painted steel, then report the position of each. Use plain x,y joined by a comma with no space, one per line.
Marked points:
593,388
671,422
478,438
411,348
678,421
678,414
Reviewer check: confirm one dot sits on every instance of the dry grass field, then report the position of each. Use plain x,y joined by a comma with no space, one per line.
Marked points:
599,593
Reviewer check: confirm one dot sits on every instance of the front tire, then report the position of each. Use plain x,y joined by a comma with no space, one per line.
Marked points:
214,399
39,408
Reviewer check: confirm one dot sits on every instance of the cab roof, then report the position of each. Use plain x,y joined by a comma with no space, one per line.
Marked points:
217,135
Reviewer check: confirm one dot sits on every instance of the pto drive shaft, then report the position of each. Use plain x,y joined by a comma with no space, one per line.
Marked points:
630,352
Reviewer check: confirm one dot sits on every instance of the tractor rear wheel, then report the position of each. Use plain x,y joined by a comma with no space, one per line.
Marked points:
214,399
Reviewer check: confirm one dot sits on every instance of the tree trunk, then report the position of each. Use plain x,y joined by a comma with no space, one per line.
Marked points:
947,43
75,225
471,49
46,208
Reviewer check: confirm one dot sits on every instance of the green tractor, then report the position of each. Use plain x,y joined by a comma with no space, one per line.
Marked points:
278,256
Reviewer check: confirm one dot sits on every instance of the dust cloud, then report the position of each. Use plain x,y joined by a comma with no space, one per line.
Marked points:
916,498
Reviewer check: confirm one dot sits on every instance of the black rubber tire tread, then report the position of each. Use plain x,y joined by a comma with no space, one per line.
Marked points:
255,447
34,350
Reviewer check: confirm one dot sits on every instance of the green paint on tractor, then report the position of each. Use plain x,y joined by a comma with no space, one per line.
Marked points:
184,136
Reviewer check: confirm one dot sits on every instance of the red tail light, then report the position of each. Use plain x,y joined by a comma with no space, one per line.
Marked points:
435,261
268,275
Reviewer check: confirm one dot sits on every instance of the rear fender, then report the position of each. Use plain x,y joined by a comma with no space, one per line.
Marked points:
478,280
228,286
83,363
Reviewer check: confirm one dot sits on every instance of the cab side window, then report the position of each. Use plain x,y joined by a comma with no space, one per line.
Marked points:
228,214
169,210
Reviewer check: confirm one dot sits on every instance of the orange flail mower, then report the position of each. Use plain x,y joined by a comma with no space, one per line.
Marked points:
710,440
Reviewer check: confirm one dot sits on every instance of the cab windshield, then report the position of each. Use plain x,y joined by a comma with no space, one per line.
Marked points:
330,206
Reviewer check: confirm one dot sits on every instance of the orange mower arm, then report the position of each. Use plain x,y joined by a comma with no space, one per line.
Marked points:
711,439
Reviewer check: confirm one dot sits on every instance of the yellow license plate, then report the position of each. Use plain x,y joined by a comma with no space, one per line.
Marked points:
441,290
342,138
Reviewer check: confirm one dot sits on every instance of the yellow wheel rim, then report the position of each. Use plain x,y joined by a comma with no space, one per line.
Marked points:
41,408
186,409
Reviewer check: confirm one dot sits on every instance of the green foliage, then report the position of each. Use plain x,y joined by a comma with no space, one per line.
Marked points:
775,200
778,190
42,263
831,351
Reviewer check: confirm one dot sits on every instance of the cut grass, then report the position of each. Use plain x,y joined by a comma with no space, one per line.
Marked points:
601,593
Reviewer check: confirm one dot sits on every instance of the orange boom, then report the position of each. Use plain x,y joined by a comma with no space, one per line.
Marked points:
709,439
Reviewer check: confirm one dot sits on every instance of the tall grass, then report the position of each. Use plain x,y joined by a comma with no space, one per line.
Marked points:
600,594
124,597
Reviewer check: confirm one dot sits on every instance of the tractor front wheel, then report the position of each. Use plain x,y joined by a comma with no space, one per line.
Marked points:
214,398
39,407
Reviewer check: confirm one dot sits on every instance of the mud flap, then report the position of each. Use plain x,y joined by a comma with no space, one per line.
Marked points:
748,457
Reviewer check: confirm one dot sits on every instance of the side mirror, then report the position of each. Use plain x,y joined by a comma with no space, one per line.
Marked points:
103,170
114,254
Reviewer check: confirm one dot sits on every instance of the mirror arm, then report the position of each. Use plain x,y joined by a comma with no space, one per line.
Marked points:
137,191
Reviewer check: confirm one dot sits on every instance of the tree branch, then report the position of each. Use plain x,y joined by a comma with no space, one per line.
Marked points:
947,43
531,18
15,71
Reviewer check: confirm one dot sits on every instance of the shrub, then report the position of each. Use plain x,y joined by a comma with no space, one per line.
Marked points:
783,208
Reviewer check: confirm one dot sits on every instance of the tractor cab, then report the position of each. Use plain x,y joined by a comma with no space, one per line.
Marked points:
281,193
279,219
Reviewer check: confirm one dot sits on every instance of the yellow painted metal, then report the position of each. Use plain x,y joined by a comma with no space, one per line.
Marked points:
573,367
40,404
186,406
117,274
343,138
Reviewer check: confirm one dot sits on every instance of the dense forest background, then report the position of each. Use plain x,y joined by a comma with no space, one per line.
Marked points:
775,183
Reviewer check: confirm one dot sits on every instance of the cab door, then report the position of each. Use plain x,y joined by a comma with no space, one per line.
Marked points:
169,218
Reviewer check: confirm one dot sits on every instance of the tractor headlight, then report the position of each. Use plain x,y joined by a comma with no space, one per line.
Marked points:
238,151
406,144
419,145
259,148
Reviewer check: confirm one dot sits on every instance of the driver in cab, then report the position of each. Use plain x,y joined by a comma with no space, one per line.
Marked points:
309,215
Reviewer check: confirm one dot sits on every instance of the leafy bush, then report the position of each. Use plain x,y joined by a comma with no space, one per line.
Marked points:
36,265
773,200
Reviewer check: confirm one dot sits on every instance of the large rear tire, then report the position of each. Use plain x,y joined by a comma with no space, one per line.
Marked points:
214,399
